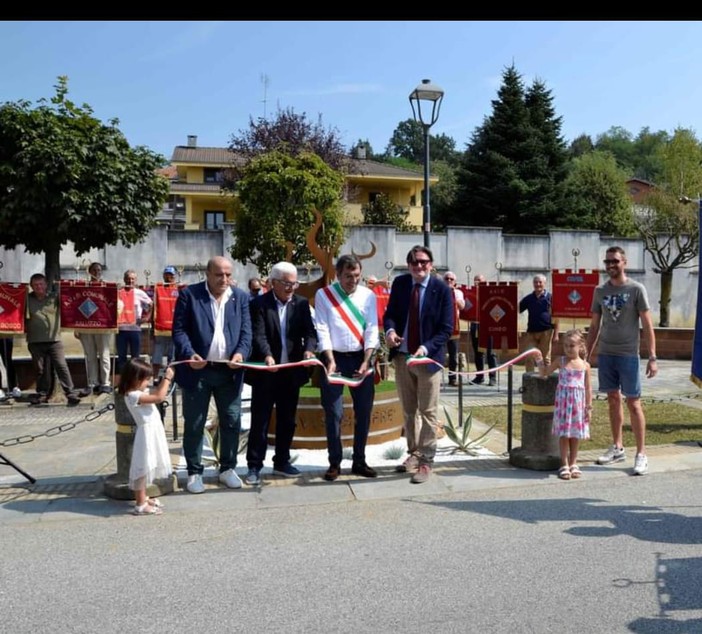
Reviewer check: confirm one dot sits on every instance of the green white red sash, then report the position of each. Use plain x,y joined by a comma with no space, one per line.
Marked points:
347,310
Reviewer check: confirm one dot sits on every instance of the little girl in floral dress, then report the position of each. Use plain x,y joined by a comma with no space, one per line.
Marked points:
573,404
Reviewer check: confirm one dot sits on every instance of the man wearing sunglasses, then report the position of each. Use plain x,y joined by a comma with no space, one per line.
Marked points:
617,308
418,322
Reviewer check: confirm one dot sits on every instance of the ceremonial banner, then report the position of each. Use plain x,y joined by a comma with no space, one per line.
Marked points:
470,311
88,306
498,310
12,304
382,297
572,292
697,346
165,296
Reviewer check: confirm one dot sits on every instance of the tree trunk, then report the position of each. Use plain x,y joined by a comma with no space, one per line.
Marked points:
666,293
52,265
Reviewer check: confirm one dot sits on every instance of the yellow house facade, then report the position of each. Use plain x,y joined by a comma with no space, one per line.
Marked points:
197,201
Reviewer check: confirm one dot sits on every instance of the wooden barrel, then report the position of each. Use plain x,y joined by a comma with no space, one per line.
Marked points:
310,432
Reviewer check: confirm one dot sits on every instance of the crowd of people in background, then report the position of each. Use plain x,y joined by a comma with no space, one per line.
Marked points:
217,326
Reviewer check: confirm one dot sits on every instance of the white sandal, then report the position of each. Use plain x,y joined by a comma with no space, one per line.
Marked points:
147,509
564,473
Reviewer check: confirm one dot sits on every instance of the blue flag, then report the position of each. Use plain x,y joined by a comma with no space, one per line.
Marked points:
697,347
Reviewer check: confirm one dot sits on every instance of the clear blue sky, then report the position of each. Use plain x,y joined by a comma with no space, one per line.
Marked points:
166,80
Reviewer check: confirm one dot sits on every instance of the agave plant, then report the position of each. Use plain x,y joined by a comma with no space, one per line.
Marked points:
460,435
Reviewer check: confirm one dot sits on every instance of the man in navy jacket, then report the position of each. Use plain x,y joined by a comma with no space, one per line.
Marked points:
212,330
418,386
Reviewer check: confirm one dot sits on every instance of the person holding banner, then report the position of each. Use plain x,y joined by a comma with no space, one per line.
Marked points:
211,335
283,332
165,297
134,306
541,331
459,304
617,308
43,332
418,322
347,330
96,347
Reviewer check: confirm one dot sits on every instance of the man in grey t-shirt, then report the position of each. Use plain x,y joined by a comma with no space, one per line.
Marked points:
617,307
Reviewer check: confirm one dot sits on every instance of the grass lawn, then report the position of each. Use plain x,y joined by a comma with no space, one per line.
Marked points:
666,422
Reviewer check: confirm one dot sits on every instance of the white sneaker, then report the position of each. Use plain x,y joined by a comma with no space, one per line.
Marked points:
195,484
16,392
2,394
613,454
640,464
229,479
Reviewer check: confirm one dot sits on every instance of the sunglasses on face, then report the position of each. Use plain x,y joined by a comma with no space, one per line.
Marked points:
612,261
421,262
450,279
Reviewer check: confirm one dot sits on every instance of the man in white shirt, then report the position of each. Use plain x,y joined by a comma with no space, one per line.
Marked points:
347,330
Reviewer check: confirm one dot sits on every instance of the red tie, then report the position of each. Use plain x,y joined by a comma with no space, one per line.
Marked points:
413,325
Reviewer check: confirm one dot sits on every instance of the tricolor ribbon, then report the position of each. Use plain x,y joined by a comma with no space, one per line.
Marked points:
423,360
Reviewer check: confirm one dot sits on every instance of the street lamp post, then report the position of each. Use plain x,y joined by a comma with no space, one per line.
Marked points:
429,97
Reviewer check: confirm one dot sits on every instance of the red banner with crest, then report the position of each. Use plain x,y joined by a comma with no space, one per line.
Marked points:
498,310
13,299
470,310
572,292
88,306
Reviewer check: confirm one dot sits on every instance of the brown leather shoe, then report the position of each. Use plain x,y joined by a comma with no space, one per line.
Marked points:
362,469
422,474
333,472
410,464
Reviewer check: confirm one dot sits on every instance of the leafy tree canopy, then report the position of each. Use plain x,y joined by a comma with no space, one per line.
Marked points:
66,176
407,142
383,211
278,195
289,133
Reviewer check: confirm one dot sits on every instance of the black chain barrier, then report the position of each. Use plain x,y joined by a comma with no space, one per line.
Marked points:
58,429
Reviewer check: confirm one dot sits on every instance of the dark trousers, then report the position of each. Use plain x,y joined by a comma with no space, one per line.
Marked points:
224,385
127,340
480,358
452,348
279,389
332,397
48,356
6,344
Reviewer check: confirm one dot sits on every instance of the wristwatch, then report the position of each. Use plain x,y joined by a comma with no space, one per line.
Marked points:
653,358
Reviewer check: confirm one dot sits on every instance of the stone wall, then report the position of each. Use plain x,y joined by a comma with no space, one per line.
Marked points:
465,250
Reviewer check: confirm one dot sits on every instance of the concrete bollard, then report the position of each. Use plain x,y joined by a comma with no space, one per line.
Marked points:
539,450
116,486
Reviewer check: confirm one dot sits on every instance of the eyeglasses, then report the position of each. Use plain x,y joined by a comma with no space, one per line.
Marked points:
612,261
421,262
288,286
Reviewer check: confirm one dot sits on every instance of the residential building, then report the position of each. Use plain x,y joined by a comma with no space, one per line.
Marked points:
197,201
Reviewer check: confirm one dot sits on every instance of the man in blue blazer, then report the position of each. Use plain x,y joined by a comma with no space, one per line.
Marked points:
430,300
212,330
283,332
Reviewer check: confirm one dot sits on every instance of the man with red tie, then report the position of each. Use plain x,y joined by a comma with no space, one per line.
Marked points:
418,322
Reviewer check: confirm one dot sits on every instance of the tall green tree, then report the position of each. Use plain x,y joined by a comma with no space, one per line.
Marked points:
511,172
66,176
407,142
668,226
580,145
278,194
596,196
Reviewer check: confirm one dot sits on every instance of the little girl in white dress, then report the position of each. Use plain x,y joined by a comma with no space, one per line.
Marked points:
573,403
151,459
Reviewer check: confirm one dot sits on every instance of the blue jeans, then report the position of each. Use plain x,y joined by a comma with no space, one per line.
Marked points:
225,385
127,340
332,397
